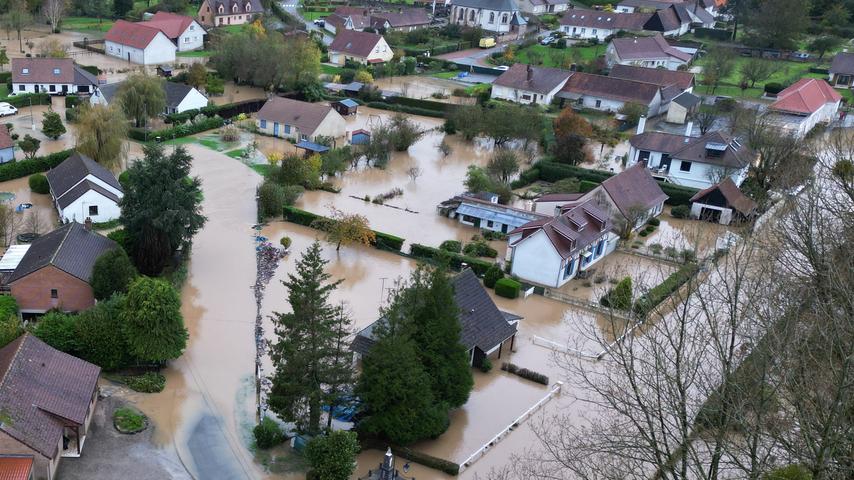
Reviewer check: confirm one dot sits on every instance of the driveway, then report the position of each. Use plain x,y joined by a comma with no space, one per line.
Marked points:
290,6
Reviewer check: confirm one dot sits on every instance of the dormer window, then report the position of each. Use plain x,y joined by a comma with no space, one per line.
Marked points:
234,9
56,71
221,9
25,71
248,7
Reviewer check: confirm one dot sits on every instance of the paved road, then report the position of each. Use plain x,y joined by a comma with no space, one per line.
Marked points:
290,6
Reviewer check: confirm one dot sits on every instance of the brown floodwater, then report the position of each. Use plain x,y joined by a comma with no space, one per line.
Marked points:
417,86
42,208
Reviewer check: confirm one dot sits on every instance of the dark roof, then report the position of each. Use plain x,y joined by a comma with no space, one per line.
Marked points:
579,225
843,63
83,76
734,197
176,92
482,324
305,116
668,19
81,188
73,170
70,248
658,76
405,18
632,188
609,87
497,5
601,19
687,100
42,70
312,147
532,79
355,43
256,7
693,149
631,48
42,388
559,197
5,138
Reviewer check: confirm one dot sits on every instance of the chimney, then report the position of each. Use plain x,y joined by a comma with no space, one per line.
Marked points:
88,224
689,128
530,73
641,124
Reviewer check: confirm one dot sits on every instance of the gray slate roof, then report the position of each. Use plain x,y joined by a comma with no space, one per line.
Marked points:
74,169
175,92
498,5
541,80
483,325
70,248
81,188
687,100
843,63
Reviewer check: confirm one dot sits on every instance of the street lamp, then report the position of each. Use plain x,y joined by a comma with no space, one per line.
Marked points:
32,116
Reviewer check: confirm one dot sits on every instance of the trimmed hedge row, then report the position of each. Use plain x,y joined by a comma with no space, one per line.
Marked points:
507,288
456,260
430,461
525,373
225,111
406,109
23,168
660,292
382,241
24,100
210,123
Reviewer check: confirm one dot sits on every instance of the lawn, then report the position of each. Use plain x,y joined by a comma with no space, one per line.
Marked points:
787,73
129,420
445,75
330,69
311,15
86,24
236,153
261,168
231,28
195,53
557,57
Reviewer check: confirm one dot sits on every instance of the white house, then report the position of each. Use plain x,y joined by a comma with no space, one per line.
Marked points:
138,43
7,145
296,120
498,16
542,7
58,76
483,211
528,84
587,24
186,33
610,94
803,105
551,251
696,162
652,52
81,188
179,97
361,47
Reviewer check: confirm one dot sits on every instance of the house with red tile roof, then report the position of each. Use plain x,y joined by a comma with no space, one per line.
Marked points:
360,47
186,33
652,52
805,104
47,400
138,43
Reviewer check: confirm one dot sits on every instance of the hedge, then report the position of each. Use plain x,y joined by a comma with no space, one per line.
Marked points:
139,134
507,288
8,306
5,77
406,109
226,111
525,373
24,100
660,292
382,241
430,461
23,168
456,260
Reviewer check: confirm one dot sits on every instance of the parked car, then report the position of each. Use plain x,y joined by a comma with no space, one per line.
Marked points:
7,109
320,22
802,56
487,42
548,40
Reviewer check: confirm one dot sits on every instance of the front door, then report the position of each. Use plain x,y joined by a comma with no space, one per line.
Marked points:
276,129
64,89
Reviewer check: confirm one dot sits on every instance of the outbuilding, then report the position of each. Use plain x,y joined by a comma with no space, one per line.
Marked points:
722,203
81,188
682,107
347,106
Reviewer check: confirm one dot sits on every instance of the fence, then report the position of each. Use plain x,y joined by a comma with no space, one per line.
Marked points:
552,345
586,304
96,46
509,428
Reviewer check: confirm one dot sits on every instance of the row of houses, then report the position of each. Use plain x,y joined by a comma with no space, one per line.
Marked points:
672,21
360,18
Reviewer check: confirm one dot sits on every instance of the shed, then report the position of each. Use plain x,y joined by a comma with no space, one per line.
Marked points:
683,106
722,203
12,258
353,88
311,148
360,137
348,106
164,70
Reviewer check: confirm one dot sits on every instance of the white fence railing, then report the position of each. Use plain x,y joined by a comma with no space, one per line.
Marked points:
480,452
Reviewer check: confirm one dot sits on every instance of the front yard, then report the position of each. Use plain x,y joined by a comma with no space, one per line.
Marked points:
557,57
788,72
87,24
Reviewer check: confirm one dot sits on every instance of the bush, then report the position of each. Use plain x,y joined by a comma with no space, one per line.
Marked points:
129,420
492,275
479,248
384,241
680,211
525,373
112,273
24,100
183,130
485,365
453,246
507,288
654,221
285,242
660,292
456,260
22,168
789,472
773,88
493,235
271,199
268,434
429,461
619,297
58,330
121,237
148,382
586,186
38,184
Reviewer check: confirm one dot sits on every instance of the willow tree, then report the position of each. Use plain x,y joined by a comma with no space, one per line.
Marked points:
142,97
101,132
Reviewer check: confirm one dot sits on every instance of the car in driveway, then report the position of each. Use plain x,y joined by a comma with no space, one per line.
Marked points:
7,109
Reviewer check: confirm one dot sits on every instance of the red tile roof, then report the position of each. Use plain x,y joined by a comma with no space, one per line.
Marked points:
16,467
805,96
5,138
171,24
136,35
355,43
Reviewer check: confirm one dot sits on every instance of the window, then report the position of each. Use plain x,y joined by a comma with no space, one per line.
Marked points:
489,223
491,17
594,31
56,71
471,15
234,9
600,247
526,97
93,210
186,39
263,123
570,266
461,16
504,18
25,71
54,293
53,88
193,27
21,88
287,128
598,103
583,31
248,7
221,9
685,166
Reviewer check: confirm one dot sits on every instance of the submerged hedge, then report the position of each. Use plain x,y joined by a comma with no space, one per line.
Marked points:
456,260
23,168
651,299
382,241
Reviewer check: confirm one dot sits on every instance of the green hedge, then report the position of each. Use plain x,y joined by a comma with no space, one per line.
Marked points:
210,123
456,260
23,168
5,77
8,306
24,100
507,288
383,241
226,111
406,109
430,461
660,292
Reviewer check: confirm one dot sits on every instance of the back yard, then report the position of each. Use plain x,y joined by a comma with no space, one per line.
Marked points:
787,72
556,57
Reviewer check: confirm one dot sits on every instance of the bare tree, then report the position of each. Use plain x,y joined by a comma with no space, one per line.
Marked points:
54,10
414,173
10,222
705,119
34,222
757,70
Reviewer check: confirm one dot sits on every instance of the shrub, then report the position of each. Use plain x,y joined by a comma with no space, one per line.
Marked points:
619,297
586,186
429,461
680,211
507,288
271,199
148,382
525,373
268,434
456,260
493,235
453,246
492,275
384,241
654,221
57,329
660,292
789,472
479,248
38,183
485,365
285,242
112,273
22,168
121,237
773,88
129,420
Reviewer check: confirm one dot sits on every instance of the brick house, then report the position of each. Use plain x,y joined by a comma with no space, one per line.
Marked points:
56,270
47,399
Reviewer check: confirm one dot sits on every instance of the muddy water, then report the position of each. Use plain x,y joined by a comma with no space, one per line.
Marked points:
236,93
644,272
42,207
687,234
415,86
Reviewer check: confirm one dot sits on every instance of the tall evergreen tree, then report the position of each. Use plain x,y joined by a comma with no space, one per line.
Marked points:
307,354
